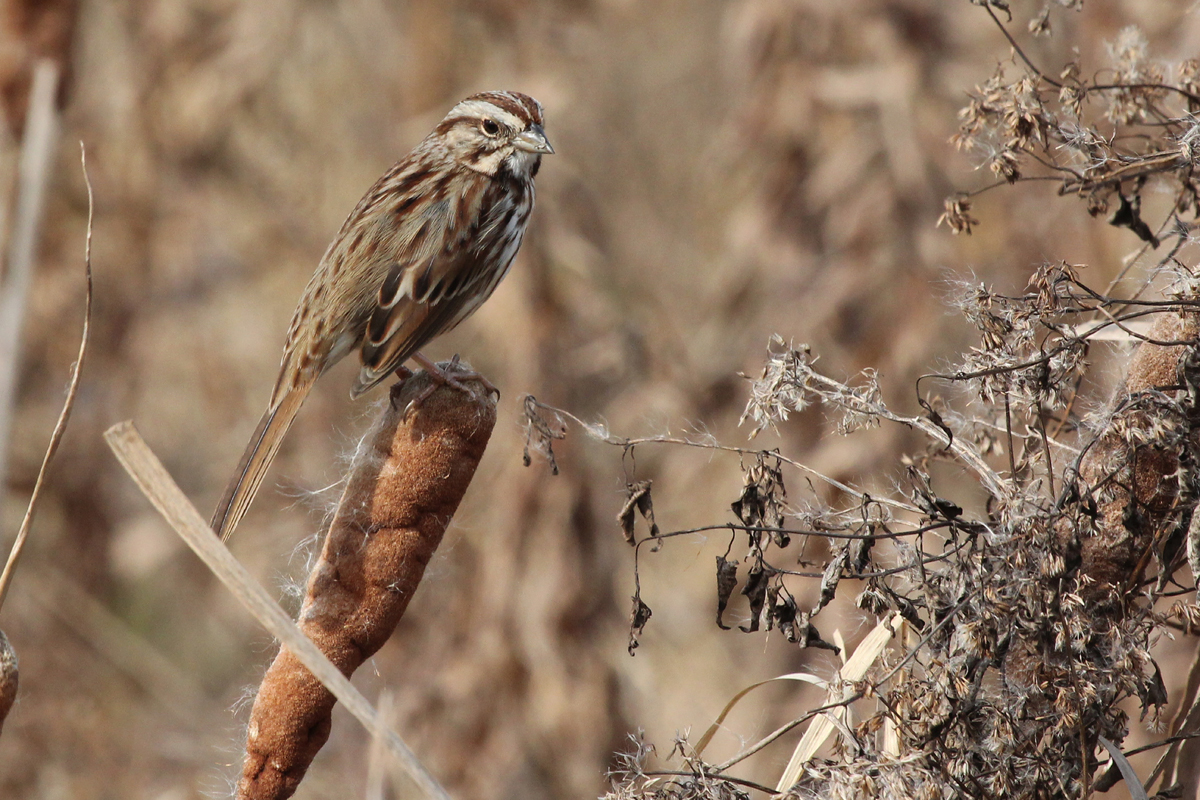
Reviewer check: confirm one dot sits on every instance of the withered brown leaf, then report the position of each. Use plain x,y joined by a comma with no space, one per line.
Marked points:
726,581
637,498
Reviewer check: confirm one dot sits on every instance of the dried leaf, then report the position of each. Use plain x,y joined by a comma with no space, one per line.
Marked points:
726,581
1152,691
637,621
540,432
637,498
859,552
763,498
756,591
830,579
807,635
1129,215
781,612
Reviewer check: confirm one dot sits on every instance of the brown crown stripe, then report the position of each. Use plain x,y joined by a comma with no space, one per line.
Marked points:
521,105
525,108
533,106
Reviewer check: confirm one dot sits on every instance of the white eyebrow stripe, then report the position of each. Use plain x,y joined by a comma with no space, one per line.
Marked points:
482,108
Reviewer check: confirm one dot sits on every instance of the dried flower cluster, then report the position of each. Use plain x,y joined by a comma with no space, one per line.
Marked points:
1103,138
697,782
1030,617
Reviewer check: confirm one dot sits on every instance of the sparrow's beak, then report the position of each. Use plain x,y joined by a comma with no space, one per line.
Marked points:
533,141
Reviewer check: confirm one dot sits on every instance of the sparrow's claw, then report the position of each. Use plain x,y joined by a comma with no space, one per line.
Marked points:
455,377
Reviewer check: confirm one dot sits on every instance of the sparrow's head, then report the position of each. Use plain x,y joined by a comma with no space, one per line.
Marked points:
496,133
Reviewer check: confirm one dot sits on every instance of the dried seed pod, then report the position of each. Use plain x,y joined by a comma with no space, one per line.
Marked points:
404,486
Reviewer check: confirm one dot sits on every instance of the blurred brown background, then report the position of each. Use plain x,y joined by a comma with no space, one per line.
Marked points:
726,170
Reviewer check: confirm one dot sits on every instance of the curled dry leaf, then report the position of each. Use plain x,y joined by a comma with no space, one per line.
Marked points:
637,498
638,618
761,504
726,581
543,425
755,590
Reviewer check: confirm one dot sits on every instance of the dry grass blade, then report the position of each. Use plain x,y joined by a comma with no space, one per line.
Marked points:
158,486
60,427
716,725
37,152
377,757
1127,772
856,667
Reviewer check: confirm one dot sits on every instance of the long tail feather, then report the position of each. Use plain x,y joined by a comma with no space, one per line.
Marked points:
260,452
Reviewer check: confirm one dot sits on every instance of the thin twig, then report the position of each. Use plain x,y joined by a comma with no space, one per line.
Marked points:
18,546
965,452
602,434
1017,49
729,778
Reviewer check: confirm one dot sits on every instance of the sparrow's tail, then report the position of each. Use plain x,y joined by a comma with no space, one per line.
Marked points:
260,452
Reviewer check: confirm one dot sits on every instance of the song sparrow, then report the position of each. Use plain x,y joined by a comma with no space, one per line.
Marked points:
426,245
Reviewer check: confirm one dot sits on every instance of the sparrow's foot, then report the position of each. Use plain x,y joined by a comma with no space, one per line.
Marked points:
453,377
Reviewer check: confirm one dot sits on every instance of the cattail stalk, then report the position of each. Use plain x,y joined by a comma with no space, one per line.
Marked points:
403,488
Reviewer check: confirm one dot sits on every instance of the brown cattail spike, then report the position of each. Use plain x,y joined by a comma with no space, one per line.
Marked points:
404,486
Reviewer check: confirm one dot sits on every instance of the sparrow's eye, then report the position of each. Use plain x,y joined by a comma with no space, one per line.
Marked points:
490,127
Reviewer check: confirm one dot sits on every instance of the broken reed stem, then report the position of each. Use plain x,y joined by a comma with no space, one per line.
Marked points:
157,485
403,488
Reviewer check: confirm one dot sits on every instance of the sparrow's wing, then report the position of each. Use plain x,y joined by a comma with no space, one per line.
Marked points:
442,295
425,297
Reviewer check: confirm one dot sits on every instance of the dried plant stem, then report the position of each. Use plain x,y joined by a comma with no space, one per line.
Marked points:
403,488
965,452
37,151
158,486
865,655
60,427
600,433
